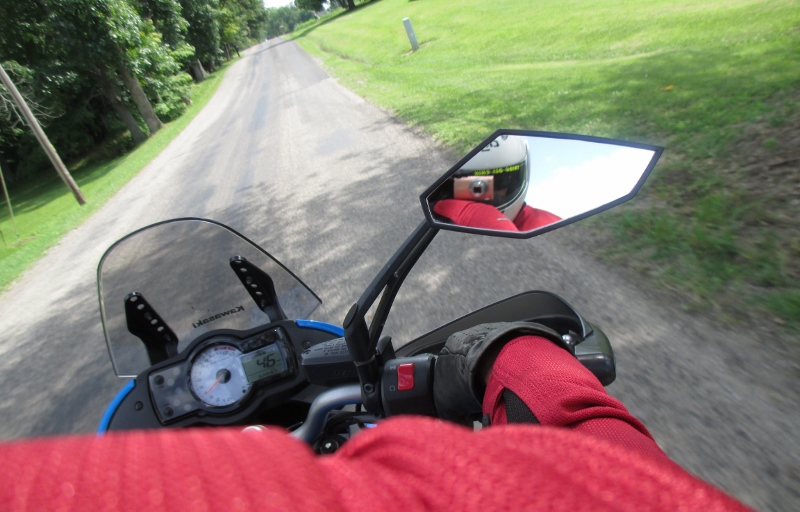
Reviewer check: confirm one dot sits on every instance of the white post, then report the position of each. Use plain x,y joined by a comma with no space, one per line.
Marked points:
412,37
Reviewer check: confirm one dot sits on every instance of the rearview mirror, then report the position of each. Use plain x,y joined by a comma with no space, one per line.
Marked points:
521,184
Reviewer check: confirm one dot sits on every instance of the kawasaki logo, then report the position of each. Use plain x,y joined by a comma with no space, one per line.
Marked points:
218,316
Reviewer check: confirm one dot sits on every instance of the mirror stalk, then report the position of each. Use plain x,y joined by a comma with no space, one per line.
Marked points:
361,341
393,286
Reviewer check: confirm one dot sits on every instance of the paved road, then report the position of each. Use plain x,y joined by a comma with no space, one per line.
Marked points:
328,184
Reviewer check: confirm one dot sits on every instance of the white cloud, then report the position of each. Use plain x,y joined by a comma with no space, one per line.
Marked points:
570,190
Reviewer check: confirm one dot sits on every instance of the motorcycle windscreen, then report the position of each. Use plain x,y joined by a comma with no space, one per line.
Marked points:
182,269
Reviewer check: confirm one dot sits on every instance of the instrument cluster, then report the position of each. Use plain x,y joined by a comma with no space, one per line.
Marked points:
220,374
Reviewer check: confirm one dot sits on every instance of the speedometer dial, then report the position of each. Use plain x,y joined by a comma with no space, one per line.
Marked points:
217,376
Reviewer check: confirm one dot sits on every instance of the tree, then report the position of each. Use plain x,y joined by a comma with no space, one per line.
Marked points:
203,31
98,33
113,97
309,5
89,62
282,20
58,81
167,18
101,66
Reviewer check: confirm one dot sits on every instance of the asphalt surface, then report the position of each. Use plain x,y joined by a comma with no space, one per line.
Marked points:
329,185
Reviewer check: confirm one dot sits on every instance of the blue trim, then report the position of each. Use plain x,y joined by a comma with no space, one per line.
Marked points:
320,326
112,407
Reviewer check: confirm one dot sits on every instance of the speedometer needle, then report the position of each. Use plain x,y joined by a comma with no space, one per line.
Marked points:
219,379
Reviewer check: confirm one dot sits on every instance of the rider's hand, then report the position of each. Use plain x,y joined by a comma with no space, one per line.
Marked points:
465,360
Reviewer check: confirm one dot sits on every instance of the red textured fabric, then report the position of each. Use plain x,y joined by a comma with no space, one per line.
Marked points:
474,215
608,461
405,464
561,392
529,218
481,215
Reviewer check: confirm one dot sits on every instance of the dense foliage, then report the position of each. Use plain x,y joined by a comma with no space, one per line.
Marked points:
110,72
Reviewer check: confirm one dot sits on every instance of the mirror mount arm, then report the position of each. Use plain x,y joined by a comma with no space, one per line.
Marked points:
394,284
361,341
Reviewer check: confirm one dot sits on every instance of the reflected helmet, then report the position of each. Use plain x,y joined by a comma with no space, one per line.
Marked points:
505,159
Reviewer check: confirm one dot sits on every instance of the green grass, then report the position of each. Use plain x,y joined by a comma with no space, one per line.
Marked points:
596,66
45,210
685,74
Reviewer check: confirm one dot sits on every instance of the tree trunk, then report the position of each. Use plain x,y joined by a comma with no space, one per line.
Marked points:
140,99
110,92
351,4
198,72
227,52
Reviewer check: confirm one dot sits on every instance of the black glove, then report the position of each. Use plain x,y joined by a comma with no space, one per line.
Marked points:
457,385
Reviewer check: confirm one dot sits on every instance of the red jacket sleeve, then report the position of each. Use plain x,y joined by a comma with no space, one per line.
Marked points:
561,392
404,464
529,218
473,214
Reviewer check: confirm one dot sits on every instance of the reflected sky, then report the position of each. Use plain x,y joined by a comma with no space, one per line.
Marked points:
570,177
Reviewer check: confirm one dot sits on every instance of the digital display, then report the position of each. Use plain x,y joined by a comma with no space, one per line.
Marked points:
263,363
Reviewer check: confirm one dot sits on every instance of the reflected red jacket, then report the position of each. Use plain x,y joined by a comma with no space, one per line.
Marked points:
589,454
481,215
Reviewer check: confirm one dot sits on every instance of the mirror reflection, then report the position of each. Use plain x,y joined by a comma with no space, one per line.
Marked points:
524,183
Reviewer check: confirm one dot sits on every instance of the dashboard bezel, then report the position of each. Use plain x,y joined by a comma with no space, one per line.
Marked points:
282,403
181,365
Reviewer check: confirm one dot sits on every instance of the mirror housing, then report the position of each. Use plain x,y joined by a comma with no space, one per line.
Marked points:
522,183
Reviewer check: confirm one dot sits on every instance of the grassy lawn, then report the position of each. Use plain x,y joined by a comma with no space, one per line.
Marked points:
45,210
703,78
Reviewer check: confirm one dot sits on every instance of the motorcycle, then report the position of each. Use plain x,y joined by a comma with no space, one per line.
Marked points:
213,331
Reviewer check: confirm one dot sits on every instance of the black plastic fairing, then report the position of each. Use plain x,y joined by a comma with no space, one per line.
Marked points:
596,354
593,349
543,307
329,363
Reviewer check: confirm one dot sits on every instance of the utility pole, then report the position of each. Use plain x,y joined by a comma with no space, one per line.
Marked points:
41,137
10,209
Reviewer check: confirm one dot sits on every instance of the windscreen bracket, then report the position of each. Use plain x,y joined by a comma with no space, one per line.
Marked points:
260,287
147,325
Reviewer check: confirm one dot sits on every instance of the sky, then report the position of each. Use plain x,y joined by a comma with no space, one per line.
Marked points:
570,177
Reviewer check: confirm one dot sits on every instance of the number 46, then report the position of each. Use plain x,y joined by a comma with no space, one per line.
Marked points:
267,361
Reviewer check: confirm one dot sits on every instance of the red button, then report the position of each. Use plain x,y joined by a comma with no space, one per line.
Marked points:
405,377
